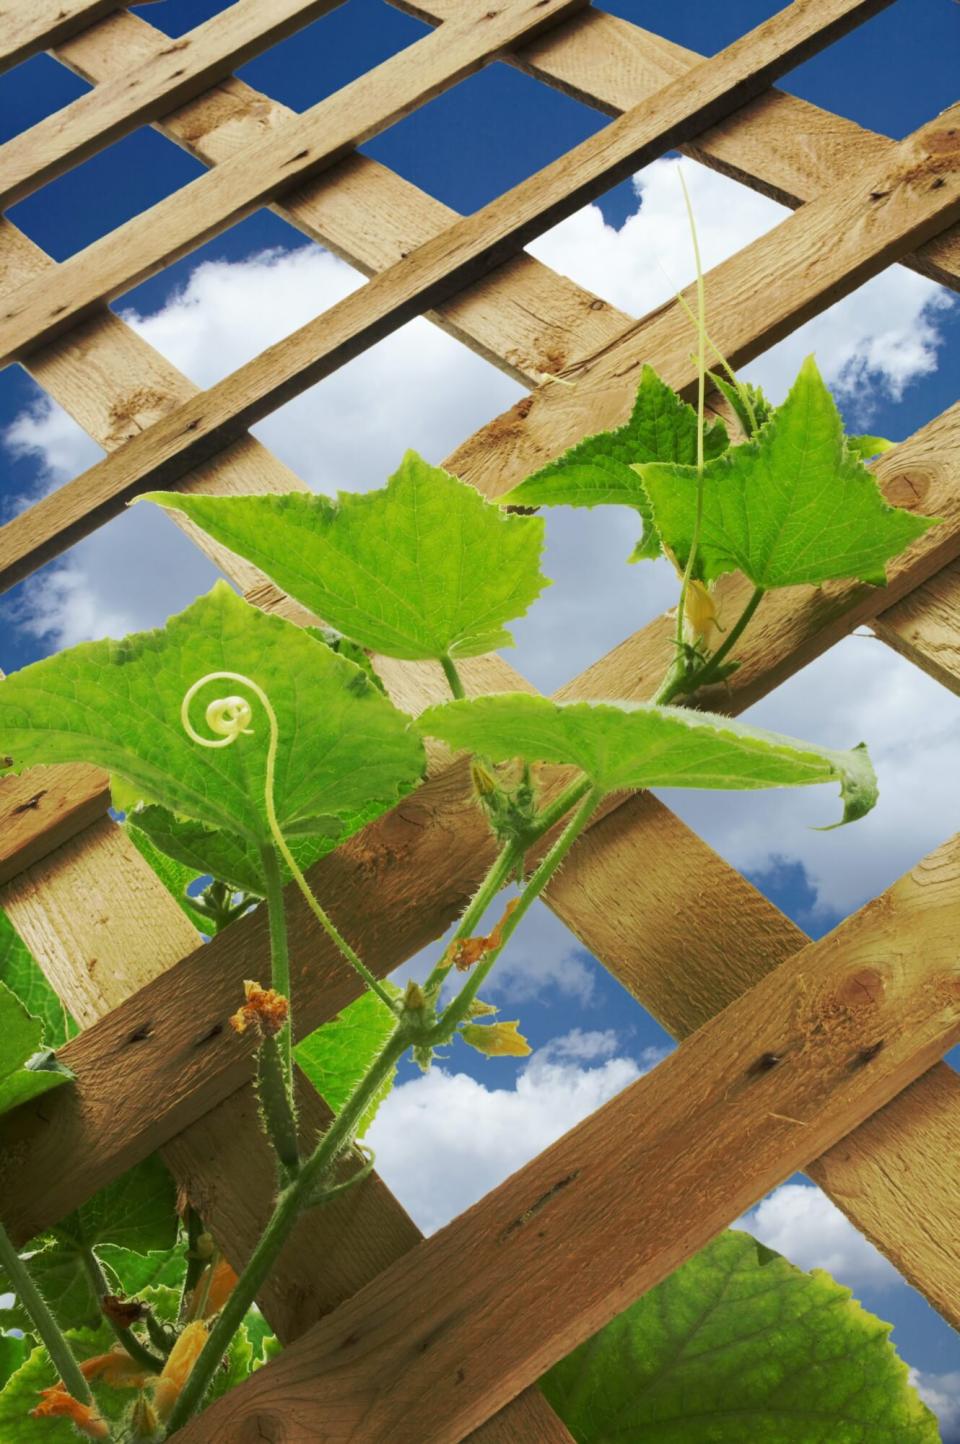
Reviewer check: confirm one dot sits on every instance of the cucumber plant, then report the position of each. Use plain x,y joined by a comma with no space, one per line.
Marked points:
243,748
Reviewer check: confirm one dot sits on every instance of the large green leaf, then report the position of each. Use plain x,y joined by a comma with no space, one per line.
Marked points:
794,506
138,1271
197,850
640,745
13,1351
425,568
23,977
336,1056
738,1346
599,471
135,1213
20,1394
343,745
25,1070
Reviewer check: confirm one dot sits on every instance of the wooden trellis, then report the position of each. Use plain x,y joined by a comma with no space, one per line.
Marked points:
391,1338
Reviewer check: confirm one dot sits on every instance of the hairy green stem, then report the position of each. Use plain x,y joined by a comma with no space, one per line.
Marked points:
278,1109
43,1321
288,1207
453,677
137,1350
701,402
194,1262
458,1010
279,948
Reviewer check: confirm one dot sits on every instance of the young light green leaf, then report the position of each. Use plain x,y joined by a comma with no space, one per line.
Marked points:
25,980
736,1347
869,446
599,471
640,745
423,569
749,405
342,744
793,506
337,1055
25,1072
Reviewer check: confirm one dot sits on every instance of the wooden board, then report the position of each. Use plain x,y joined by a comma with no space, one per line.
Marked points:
42,808
205,425
24,31
181,69
450,1333
924,627
284,158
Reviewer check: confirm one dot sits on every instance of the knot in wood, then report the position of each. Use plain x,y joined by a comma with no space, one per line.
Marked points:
863,987
906,489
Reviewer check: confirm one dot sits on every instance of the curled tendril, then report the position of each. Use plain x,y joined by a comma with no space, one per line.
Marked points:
229,717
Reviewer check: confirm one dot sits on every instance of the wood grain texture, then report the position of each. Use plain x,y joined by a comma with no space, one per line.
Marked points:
924,627
483,1308
299,148
439,267
181,69
25,30
525,318
44,807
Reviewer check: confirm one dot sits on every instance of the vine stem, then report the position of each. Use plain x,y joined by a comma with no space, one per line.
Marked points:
137,1350
701,403
459,1008
229,717
279,950
289,1205
453,678
676,683
43,1321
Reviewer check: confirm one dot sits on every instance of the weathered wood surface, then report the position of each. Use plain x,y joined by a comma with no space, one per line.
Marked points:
43,808
482,1309
820,253
778,144
298,149
181,69
26,30
924,627
525,318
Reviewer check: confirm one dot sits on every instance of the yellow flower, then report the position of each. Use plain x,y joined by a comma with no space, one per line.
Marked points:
497,1039
116,1369
179,1366
265,1009
700,616
222,1280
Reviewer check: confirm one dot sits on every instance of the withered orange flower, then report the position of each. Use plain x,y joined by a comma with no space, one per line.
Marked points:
222,1281
120,1311
116,1369
469,951
57,1403
265,1009
179,1366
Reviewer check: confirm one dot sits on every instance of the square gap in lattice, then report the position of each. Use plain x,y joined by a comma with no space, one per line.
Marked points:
331,52
446,1138
33,90
483,136
129,177
176,17
857,691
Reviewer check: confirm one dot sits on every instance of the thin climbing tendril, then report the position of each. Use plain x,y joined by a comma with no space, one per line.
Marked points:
228,717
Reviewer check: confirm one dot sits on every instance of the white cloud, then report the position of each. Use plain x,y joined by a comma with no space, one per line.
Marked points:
941,1393
800,1222
444,1140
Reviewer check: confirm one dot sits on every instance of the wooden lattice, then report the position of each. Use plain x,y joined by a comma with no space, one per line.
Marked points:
442,1341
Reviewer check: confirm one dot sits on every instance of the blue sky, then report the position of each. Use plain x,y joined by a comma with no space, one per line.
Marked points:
891,355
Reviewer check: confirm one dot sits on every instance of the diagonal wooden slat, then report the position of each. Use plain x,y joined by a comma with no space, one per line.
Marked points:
924,627
181,69
778,144
24,31
869,235
482,1309
289,156
42,808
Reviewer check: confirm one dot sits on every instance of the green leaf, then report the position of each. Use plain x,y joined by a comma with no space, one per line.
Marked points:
423,569
20,1394
743,399
238,1365
25,1073
794,506
138,1271
24,979
599,471
195,850
640,745
868,446
336,1056
342,744
12,1354
731,1349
